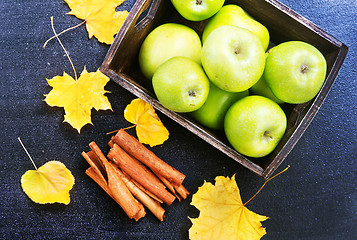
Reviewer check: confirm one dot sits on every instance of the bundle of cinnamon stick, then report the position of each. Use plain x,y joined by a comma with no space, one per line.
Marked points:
134,176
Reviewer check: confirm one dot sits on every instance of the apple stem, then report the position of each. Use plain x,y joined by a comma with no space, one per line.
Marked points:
266,183
27,153
304,68
198,2
268,134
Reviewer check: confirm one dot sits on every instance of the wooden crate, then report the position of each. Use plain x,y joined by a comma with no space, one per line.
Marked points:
121,65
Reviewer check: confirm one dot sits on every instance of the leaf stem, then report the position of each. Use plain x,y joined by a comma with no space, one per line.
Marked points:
122,128
56,36
266,183
66,30
27,153
129,127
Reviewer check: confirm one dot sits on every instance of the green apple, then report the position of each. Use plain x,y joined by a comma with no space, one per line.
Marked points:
233,58
254,125
197,10
262,88
167,41
236,16
180,84
295,71
212,113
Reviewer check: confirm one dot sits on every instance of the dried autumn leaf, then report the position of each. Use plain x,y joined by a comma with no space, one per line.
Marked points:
50,183
149,128
222,213
79,97
102,20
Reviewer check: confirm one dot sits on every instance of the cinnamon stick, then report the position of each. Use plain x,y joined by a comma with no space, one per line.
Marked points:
143,189
131,145
116,187
145,199
182,191
93,174
137,171
140,167
95,166
121,194
167,183
179,191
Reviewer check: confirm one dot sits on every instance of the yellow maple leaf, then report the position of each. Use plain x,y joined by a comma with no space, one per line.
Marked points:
149,128
102,20
79,97
222,213
50,183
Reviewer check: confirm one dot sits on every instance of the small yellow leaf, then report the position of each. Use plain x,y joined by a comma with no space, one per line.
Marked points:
102,20
79,97
222,213
50,183
149,128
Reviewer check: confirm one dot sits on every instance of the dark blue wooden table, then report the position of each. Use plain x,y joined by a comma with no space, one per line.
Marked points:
315,199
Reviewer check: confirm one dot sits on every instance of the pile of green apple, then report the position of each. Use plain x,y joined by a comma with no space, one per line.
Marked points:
228,79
